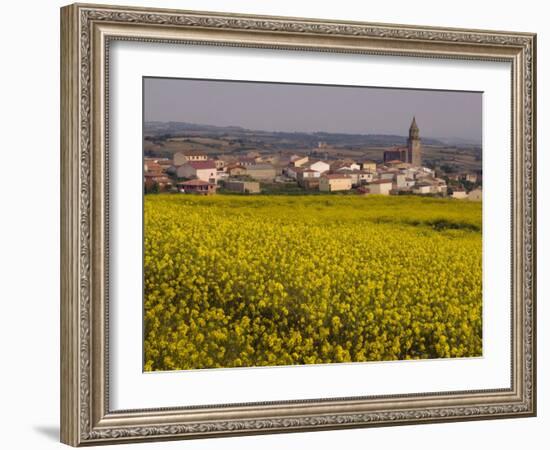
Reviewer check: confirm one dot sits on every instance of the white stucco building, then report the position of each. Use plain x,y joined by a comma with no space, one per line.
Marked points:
182,158
334,182
202,170
381,187
319,166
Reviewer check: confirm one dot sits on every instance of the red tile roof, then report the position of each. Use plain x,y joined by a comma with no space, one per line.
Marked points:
235,166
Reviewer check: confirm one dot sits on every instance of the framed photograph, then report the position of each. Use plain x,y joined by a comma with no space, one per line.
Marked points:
275,224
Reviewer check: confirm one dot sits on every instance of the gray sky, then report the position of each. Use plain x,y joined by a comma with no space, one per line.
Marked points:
293,107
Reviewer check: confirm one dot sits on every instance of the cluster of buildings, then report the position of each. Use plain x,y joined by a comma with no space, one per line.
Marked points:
400,172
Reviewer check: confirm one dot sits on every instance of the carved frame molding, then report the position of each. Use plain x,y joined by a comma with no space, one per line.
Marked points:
86,32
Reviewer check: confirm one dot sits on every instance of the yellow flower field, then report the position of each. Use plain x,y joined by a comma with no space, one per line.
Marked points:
239,281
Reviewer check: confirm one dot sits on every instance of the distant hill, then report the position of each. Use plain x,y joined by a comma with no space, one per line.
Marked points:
163,139
175,129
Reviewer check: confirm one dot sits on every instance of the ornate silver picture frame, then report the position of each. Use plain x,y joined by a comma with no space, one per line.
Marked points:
87,32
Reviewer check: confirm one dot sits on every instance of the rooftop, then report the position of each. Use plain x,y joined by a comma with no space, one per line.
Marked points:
235,166
202,164
335,176
388,181
314,161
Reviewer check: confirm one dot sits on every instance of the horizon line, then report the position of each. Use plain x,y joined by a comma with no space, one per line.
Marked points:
313,132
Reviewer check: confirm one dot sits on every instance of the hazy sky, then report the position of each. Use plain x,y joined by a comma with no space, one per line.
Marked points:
293,107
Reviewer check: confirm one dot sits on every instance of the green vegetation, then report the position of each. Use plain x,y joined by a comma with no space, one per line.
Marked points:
237,281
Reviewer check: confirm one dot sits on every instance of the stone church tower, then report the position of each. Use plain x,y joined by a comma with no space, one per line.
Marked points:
414,149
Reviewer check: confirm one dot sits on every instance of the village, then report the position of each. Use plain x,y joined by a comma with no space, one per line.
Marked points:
399,172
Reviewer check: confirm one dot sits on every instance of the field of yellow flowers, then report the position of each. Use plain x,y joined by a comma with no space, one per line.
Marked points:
237,281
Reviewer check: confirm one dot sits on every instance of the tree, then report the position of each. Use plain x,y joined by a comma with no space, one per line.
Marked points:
152,188
448,168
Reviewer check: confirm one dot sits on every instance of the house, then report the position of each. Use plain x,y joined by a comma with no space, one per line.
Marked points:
475,195
186,156
221,176
334,182
280,169
368,165
400,180
353,174
453,176
164,164
347,169
424,172
281,162
319,166
365,176
381,187
248,161
422,188
298,161
264,172
235,170
409,172
158,179
244,187
307,173
344,165
197,187
155,177
439,186
151,166
308,178
471,177
459,193
386,175
292,172
203,170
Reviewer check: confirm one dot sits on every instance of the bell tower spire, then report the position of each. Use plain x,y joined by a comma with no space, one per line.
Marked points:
414,148
413,130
